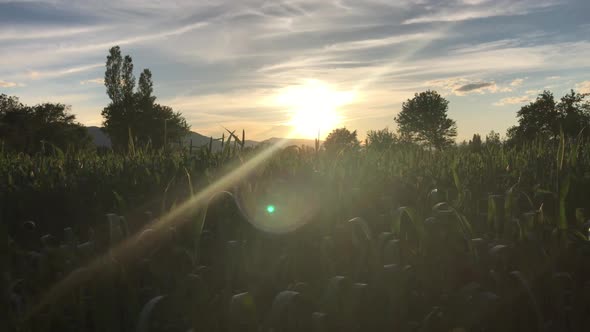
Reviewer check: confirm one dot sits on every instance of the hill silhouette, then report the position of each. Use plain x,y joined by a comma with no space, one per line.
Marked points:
100,139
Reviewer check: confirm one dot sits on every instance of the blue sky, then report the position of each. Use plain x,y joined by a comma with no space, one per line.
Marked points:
223,63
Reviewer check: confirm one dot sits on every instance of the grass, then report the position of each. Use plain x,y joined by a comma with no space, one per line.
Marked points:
71,188
403,228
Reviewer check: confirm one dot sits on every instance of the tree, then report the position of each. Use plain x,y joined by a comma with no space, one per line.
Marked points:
381,139
475,143
544,117
493,138
423,119
27,128
341,139
135,114
537,119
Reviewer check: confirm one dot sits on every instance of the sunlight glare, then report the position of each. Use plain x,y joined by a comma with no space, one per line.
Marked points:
314,107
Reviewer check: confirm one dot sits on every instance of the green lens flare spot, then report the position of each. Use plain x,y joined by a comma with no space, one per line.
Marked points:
270,209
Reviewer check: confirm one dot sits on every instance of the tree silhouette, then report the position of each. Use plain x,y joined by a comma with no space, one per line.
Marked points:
475,143
545,117
341,139
135,114
381,139
29,128
423,119
493,138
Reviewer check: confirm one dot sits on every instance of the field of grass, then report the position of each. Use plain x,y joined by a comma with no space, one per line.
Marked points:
402,239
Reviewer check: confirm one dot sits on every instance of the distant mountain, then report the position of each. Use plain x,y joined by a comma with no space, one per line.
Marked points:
199,140
100,139
291,141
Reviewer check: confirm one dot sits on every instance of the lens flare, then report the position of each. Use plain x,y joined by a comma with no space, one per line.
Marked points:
270,209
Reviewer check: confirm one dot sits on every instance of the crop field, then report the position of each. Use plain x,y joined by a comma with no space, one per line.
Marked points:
396,239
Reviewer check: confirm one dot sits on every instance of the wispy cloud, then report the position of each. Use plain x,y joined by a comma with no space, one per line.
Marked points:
380,42
514,100
474,9
49,32
517,82
7,84
39,74
93,81
529,96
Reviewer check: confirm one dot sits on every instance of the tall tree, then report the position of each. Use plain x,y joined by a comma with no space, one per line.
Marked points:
112,75
146,86
423,119
341,139
545,117
28,128
135,114
475,143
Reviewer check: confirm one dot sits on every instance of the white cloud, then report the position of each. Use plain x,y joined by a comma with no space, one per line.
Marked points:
529,96
7,84
480,9
583,87
48,32
517,82
380,42
93,81
514,100
35,74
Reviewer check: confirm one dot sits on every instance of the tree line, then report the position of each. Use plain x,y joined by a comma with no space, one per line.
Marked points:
134,118
424,120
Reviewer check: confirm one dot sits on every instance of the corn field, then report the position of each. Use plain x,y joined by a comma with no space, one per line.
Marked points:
402,239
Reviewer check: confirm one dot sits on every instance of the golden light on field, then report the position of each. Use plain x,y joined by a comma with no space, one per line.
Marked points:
313,107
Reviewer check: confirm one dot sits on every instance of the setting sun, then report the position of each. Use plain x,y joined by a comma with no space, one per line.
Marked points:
313,107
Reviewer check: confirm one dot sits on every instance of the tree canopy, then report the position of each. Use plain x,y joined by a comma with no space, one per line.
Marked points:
134,113
381,139
28,128
341,139
424,120
545,117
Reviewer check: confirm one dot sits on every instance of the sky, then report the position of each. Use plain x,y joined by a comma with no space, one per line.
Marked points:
270,66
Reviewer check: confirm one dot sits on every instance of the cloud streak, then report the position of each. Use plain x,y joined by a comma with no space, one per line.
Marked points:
7,84
99,81
471,10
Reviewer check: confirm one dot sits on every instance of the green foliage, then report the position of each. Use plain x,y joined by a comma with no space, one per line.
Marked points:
134,118
381,139
435,227
341,140
475,143
423,119
545,117
39,128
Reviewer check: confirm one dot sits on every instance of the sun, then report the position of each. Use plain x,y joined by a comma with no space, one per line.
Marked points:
313,107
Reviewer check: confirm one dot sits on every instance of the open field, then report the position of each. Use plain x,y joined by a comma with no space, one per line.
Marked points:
372,240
